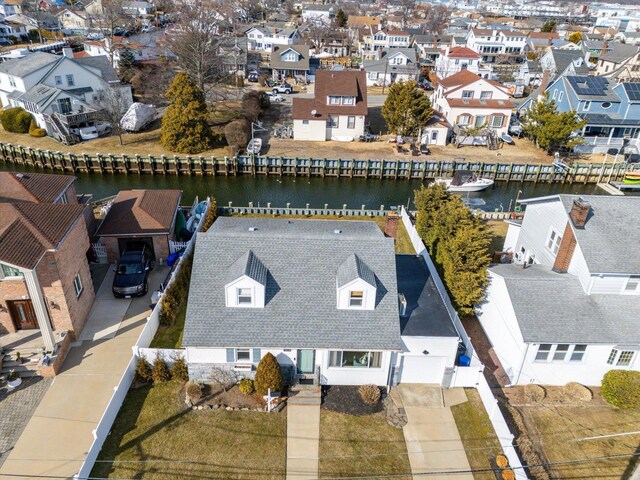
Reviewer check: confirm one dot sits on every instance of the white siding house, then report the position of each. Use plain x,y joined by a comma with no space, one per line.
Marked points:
262,39
567,310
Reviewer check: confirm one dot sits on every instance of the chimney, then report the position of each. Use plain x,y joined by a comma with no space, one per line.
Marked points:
391,225
67,52
579,212
565,251
544,83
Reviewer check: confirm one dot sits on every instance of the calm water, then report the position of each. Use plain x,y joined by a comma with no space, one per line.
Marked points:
299,191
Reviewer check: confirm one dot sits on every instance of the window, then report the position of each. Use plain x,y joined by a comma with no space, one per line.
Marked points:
243,355
632,284
555,94
77,285
497,121
578,353
10,272
561,352
244,296
356,298
348,100
560,96
373,75
486,95
12,81
464,120
351,121
70,80
467,94
290,57
621,358
434,137
347,359
587,105
553,242
480,120
543,352
332,122
305,122
58,79
334,100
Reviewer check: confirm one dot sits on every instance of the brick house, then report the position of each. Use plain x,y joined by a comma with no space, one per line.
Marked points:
45,282
146,216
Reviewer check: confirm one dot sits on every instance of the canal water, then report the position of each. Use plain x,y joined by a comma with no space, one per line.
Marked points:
298,192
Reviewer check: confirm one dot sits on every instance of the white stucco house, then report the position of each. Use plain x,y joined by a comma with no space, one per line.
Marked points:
492,44
453,60
467,100
567,308
338,110
329,299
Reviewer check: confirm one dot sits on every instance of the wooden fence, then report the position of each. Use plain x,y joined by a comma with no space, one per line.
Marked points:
407,169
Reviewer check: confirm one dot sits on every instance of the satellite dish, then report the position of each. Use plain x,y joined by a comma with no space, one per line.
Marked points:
314,112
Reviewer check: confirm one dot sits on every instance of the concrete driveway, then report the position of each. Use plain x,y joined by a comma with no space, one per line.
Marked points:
59,434
431,434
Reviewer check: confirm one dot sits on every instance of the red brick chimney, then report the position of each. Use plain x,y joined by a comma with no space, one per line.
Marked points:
579,212
565,252
544,83
391,225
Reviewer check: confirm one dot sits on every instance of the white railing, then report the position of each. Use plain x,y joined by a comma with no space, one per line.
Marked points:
101,252
614,141
177,246
120,390
469,376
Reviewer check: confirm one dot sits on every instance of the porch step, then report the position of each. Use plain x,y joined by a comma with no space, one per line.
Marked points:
24,370
302,395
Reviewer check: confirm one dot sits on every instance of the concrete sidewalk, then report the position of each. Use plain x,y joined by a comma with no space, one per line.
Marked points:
431,434
58,436
303,441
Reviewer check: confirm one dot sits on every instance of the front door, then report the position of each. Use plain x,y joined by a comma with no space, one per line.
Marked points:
22,314
306,361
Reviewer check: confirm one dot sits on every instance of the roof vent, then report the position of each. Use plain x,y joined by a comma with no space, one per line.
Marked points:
252,229
337,232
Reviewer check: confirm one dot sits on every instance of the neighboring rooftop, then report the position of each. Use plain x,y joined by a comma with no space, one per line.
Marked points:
33,187
20,67
141,212
302,258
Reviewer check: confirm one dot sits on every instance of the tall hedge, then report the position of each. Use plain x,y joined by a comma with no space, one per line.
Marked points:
16,120
184,125
268,375
621,388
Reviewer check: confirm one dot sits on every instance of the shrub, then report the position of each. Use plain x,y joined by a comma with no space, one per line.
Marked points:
143,370
238,134
16,120
502,461
160,371
575,391
175,296
621,388
194,392
251,107
370,394
535,393
246,386
212,214
179,370
268,375
508,475
262,80
38,132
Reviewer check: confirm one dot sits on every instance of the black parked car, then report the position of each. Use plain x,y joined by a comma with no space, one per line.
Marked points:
132,271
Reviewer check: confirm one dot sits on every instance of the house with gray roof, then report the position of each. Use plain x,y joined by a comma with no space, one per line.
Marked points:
567,309
329,299
392,65
564,62
290,61
263,38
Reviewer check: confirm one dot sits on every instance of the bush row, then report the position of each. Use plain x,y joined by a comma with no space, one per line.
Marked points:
159,371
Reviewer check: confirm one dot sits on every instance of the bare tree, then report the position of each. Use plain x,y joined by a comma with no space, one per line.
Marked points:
437,18
318,32
407,9
113,101
224,377
108,17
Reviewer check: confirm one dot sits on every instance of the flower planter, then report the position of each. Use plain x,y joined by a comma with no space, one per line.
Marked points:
14,383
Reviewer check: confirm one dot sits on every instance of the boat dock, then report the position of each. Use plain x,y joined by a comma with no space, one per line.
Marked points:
611,189
632,187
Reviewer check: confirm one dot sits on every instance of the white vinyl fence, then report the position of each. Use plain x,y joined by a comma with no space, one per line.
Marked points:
100,250
166,354
470,376
120,390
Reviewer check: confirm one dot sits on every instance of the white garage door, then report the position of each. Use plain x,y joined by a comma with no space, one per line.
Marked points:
422,369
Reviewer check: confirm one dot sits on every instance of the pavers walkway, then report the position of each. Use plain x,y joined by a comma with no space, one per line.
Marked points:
59,434
303,441
431,434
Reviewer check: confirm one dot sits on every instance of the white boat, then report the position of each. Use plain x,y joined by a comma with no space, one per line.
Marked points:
465,181
254,146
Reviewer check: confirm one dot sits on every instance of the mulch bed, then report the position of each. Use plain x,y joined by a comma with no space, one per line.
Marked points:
346,399
233,397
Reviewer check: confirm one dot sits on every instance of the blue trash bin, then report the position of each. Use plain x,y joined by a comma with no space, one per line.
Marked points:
464,361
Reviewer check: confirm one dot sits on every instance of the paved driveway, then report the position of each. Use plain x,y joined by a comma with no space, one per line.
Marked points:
431,434
59,433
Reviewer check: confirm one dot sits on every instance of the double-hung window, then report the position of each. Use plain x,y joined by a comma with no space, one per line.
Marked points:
244,296
563,352
243,355
633,282
553,241
332,121
348,100
77,285
351,121
356,298
486,95
467,94
70,81
543,352
333,100
58,79
497,121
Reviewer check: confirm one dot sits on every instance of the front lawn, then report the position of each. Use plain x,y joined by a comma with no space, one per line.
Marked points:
477,434
354,446
155,426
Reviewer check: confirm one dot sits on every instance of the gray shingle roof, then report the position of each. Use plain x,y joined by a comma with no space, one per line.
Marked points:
101,62
302,258
553,308
21,67
619,53
39,93
353,268
251,266
382,65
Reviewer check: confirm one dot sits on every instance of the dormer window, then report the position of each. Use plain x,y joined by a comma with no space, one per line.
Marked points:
333,100
356,298
244,296
246,282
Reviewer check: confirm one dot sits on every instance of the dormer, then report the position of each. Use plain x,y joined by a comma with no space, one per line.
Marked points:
246,282
356,285
289,55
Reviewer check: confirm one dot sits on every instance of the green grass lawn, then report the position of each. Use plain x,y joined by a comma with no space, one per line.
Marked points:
477,434
353,446
171,337
153,425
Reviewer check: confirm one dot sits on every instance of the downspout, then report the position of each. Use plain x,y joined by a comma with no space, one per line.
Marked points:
522,365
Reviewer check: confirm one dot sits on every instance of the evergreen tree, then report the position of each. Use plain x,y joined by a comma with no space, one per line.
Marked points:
184,126
268,375
341,19
407,109
549,26
575,37
126,63
549,128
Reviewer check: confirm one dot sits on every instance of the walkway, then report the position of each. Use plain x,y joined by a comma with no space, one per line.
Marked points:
59,434
303,438
431,434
